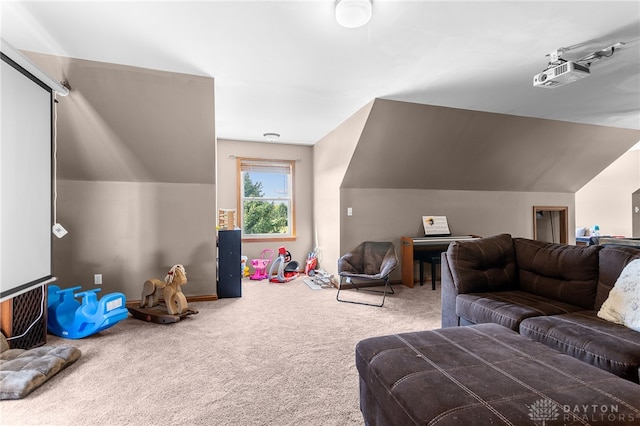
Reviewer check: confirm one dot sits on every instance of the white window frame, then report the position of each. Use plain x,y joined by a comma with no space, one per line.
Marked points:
260,164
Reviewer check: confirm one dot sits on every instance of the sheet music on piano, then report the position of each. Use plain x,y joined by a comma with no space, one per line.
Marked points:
435,226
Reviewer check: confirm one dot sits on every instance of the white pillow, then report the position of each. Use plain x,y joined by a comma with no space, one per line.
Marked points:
581,232
623,303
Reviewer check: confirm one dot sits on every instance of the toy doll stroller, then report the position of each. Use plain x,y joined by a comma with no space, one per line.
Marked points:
260,265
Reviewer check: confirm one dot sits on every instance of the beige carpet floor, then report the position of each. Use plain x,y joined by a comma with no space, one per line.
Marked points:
282,354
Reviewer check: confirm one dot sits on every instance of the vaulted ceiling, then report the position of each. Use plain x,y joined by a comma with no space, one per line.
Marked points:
287,67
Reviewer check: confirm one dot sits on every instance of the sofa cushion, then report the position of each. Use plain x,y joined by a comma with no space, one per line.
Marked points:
611,347
507,308
483,264
481,375
557,271
612,260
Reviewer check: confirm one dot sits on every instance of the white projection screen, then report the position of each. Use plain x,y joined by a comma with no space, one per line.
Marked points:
26,208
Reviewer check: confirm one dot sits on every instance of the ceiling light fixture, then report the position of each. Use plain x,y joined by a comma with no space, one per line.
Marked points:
353,13
271,136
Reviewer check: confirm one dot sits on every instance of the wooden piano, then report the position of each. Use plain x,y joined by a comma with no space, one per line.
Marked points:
424,249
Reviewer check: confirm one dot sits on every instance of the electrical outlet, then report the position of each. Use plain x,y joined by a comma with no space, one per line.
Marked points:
97,279
349,211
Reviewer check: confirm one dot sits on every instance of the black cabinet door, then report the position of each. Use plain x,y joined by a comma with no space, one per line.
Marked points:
229,267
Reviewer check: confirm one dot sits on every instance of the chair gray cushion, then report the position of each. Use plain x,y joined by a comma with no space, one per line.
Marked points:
374,260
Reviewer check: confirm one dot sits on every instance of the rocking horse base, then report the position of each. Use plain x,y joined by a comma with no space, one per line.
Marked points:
159,314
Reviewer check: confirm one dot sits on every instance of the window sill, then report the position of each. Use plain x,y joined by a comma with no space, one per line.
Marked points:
267,239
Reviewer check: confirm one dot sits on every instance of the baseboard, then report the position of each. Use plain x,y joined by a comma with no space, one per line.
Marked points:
203,298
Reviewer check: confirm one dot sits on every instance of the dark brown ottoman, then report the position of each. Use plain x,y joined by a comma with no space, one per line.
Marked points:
485,374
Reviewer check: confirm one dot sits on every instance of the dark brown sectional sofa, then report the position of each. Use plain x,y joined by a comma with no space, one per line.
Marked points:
547,292
521,343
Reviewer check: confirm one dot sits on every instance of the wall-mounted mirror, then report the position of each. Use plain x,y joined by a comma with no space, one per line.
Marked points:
551,223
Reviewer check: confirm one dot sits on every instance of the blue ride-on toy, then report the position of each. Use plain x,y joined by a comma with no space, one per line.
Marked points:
69,318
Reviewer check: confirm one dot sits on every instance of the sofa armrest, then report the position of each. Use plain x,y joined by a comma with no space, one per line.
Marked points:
448,295
476,266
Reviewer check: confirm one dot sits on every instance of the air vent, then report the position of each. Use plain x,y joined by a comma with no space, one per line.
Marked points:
560,69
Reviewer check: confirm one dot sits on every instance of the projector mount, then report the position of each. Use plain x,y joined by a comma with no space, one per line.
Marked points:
586,60
560,71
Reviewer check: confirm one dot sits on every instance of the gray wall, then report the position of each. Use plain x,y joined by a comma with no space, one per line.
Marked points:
227,194
137,173
394,162
133,231
406,145
388,214
331,159
136,176
606,200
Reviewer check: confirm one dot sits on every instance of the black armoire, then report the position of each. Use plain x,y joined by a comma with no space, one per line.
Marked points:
229,266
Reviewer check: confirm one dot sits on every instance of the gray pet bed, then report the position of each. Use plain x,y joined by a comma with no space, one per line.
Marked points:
22,371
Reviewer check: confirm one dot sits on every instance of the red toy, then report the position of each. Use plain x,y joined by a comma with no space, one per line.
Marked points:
286,272
312,264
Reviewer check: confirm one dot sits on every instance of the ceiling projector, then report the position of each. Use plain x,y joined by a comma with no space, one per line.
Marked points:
558,75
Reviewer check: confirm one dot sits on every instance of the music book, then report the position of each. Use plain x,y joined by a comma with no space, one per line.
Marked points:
435,226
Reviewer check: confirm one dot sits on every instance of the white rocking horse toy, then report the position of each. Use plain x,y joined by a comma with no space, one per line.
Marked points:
174,299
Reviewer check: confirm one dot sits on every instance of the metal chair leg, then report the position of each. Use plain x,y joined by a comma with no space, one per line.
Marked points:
387,285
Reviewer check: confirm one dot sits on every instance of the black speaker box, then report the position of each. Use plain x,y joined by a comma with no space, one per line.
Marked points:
24,319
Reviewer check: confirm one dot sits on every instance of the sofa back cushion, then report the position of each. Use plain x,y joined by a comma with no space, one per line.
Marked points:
483,264
560,272
613,259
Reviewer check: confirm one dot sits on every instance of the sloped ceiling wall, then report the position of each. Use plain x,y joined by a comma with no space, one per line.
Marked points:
136,169
123,123
416,146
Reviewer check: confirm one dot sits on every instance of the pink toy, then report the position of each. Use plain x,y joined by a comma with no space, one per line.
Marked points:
260,265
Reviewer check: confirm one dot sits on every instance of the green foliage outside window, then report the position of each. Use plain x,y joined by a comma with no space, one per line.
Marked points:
262,216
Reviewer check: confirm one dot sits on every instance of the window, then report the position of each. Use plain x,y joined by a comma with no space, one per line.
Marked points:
265,197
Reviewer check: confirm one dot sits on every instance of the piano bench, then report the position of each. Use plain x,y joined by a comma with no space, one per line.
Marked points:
433,260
